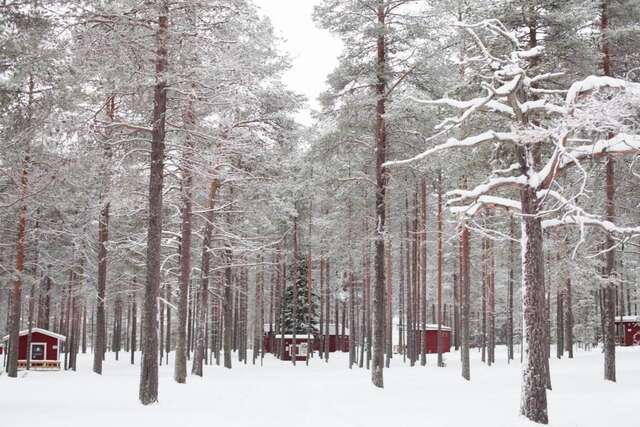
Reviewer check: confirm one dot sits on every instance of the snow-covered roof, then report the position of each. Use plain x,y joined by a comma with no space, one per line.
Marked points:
628,319
39,330
332,329
434,327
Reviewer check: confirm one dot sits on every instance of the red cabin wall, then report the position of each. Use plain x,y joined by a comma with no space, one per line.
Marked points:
336,343
38,337
430,341
631,334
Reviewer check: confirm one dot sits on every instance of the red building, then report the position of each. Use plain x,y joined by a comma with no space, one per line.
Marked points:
272,343
430,338
628,330
45,348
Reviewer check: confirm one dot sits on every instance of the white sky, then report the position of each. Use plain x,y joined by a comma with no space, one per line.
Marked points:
314,52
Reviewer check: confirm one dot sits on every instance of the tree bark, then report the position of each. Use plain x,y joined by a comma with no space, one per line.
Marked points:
16,295
381,185
440,269
203,294
149,369
228,307
534,390
465,293
568,319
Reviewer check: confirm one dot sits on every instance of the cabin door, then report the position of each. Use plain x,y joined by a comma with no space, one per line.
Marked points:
38,351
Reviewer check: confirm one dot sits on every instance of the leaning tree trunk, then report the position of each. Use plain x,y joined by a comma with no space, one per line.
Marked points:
149,369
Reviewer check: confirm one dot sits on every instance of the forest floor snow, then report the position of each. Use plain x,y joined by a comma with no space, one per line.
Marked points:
279,394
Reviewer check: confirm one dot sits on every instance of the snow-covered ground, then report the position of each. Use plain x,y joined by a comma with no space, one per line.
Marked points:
279,394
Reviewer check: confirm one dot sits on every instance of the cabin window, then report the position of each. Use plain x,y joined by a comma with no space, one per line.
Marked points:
38,351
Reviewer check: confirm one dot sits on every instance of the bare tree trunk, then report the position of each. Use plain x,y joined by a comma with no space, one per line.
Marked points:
167,343
440,269
203,295
568,318
381,185
183,344
510,288
465,293
228,307
423,269
401,311
610,290
134,327
559,324
491,302
327,342
16,295
534,390
149,369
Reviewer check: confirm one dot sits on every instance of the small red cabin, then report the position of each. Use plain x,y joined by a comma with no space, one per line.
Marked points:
430,338
271,342
628,330
45,348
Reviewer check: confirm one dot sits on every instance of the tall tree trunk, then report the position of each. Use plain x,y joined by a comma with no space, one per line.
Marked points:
401,309
16,295
440,269
103,240
149,369
182,343
228,307
134,318
465,294
381,185
510,288
423,270
610,291
568,318
534,389
203,294
559,323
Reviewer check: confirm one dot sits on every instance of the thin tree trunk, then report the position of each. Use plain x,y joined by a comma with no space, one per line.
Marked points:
203,295
134,327
381,185
510,288
228,307
423,270
568,319
465,293
440,269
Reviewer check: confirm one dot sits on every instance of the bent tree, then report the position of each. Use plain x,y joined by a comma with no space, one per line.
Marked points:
542,126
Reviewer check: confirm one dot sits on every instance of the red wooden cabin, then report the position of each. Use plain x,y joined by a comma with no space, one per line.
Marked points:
45,348
430,338
271,342
628,330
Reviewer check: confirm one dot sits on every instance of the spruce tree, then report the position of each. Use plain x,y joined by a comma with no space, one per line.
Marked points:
298,302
